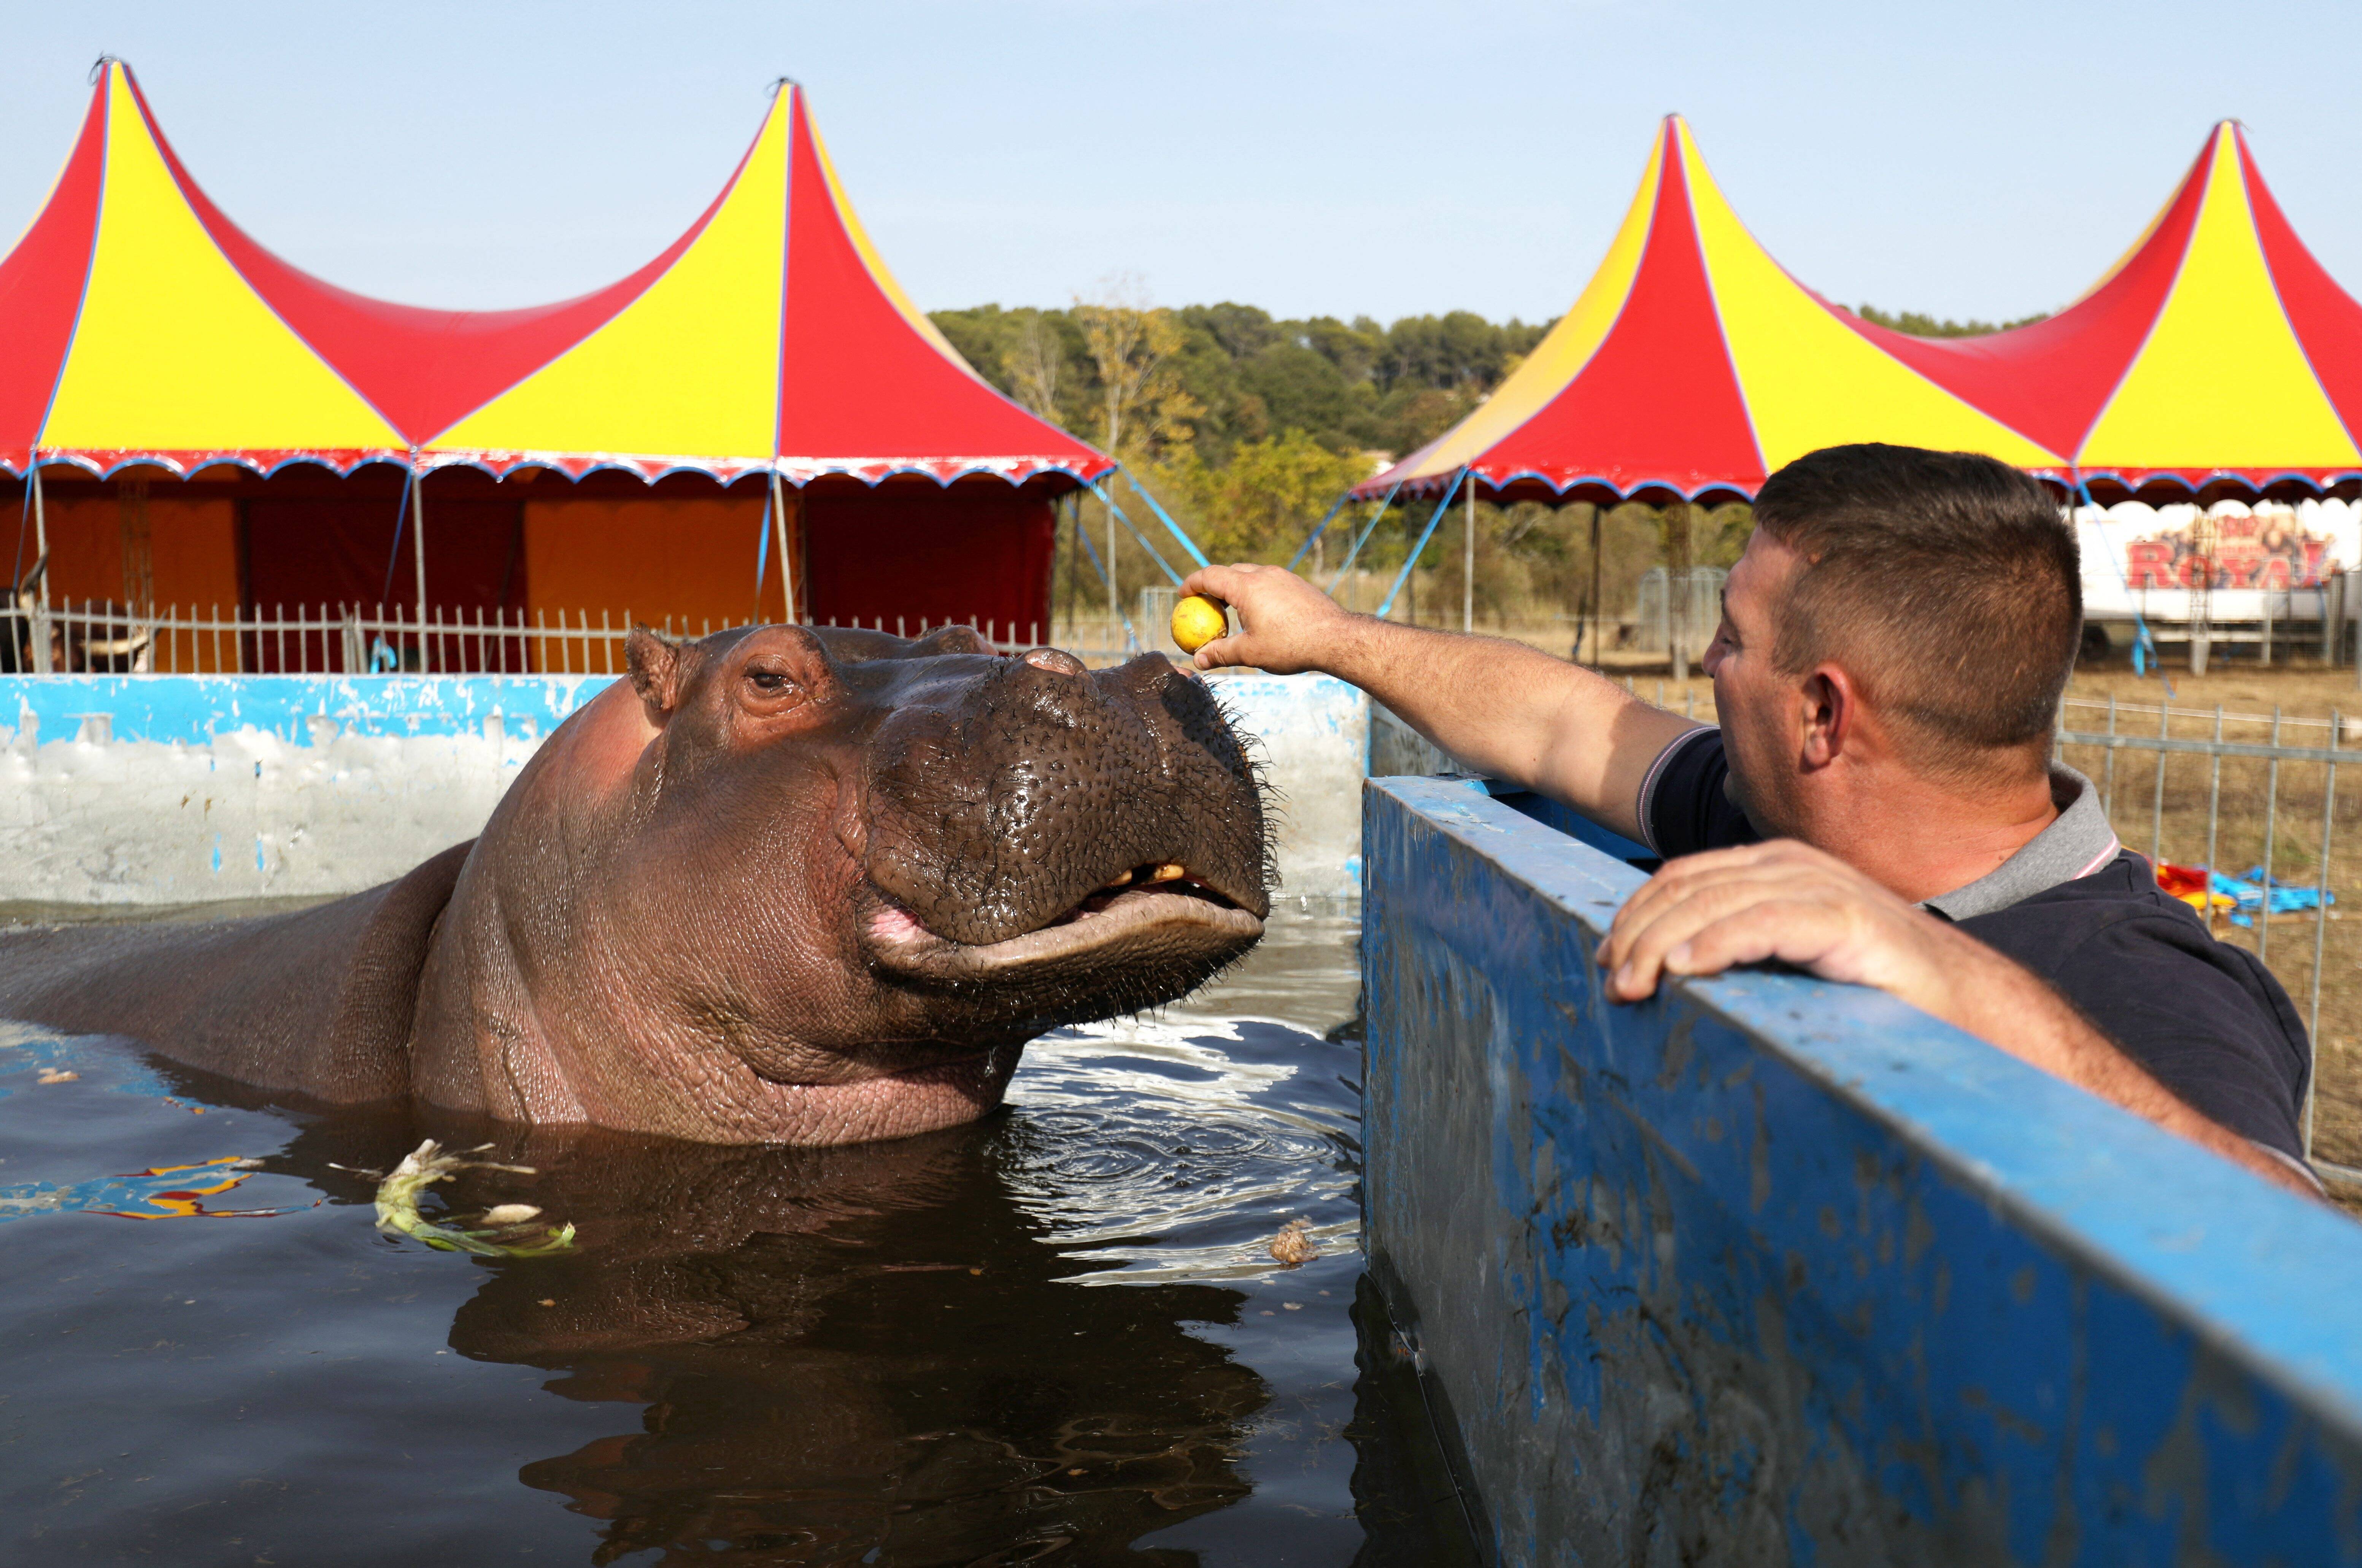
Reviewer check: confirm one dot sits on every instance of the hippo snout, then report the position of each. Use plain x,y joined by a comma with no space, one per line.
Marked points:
1040,792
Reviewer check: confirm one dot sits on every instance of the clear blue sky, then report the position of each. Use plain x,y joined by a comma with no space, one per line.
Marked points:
1337,158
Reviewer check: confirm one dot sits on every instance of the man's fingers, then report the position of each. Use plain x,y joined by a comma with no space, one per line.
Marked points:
1636,957
1804,934
1667,891
1220,653
1781,867
1221,581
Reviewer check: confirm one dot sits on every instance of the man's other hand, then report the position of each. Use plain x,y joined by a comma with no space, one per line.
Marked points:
1286,624
1703,913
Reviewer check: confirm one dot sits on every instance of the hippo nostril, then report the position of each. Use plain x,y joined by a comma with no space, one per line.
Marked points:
1058,661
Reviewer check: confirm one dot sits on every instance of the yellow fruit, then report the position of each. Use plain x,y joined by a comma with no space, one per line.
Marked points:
1197,620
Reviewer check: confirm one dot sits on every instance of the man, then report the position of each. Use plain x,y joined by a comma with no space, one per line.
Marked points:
1879,805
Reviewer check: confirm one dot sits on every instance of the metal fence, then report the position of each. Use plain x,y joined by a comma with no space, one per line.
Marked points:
1677,612
88,636
2217,790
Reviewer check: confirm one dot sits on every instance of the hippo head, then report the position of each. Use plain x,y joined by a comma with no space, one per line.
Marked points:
812,886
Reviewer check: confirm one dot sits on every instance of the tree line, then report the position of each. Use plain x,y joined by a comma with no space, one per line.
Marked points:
1248,427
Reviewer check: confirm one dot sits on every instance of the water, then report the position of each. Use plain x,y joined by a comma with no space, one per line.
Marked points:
1057,1336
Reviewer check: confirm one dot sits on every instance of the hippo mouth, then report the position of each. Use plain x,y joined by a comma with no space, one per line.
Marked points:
1151,912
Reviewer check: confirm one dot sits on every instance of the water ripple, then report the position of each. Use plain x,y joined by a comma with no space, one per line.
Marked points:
1162,1150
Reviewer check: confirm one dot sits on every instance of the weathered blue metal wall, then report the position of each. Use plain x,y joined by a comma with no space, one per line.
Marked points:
1771,1270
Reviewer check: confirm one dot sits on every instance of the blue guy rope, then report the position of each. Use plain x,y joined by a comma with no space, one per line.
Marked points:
23,516
1131,637
2144,642
1412,559
1371,527
1117,511
1171,528
1321,527
401,521
763,550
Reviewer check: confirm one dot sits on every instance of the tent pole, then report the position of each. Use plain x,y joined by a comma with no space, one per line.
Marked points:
1598,660
786,563
418,545
40,553
1074,563
1468,568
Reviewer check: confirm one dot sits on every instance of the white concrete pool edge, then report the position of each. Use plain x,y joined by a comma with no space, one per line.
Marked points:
166,789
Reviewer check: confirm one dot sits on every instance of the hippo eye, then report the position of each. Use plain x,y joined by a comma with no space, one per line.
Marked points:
773,682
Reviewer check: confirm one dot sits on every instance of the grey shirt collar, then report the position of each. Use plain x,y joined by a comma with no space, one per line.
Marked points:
2076,844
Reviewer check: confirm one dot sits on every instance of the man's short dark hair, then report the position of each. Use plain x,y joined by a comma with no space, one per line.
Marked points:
1947,584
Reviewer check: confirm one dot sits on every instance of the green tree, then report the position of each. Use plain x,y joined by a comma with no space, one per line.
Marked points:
1919,324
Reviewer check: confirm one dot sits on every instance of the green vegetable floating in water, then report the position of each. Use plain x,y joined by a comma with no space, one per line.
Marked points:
506,1226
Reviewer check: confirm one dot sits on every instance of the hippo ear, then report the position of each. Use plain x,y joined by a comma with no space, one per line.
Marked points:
655,662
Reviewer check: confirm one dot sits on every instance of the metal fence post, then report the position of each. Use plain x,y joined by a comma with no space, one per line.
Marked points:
2108,765
2320,929
2271,822
2213,819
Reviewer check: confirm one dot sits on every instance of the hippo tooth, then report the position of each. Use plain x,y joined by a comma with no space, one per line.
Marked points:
1119,881
1167,872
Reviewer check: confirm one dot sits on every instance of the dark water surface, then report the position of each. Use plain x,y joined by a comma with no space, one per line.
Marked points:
1053,1337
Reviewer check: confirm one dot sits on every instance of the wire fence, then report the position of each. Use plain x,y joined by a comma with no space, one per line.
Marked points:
92,638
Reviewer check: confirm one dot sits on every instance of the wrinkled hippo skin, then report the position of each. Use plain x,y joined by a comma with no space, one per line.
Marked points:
785,885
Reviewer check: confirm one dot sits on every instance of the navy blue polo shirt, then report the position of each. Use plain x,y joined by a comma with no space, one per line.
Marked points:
2206,1019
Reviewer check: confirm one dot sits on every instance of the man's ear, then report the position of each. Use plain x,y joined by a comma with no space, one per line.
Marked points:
656,663
1832,713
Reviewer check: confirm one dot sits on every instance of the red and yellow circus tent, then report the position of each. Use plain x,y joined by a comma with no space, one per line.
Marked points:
1690,368
2216,354
609,450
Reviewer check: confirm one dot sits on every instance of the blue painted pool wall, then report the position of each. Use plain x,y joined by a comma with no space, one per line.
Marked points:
1771,1270
193,709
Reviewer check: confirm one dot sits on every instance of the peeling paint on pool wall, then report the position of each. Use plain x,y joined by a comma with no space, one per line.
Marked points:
1771,1270
151,789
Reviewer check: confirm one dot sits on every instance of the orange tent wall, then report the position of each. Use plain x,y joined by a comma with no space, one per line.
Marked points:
689,559
192,550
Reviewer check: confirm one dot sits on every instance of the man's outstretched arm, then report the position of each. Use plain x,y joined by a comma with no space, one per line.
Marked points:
1503,709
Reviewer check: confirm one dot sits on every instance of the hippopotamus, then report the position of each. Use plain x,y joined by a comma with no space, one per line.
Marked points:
784,885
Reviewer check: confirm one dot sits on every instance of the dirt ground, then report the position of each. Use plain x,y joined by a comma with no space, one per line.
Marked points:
2172,822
